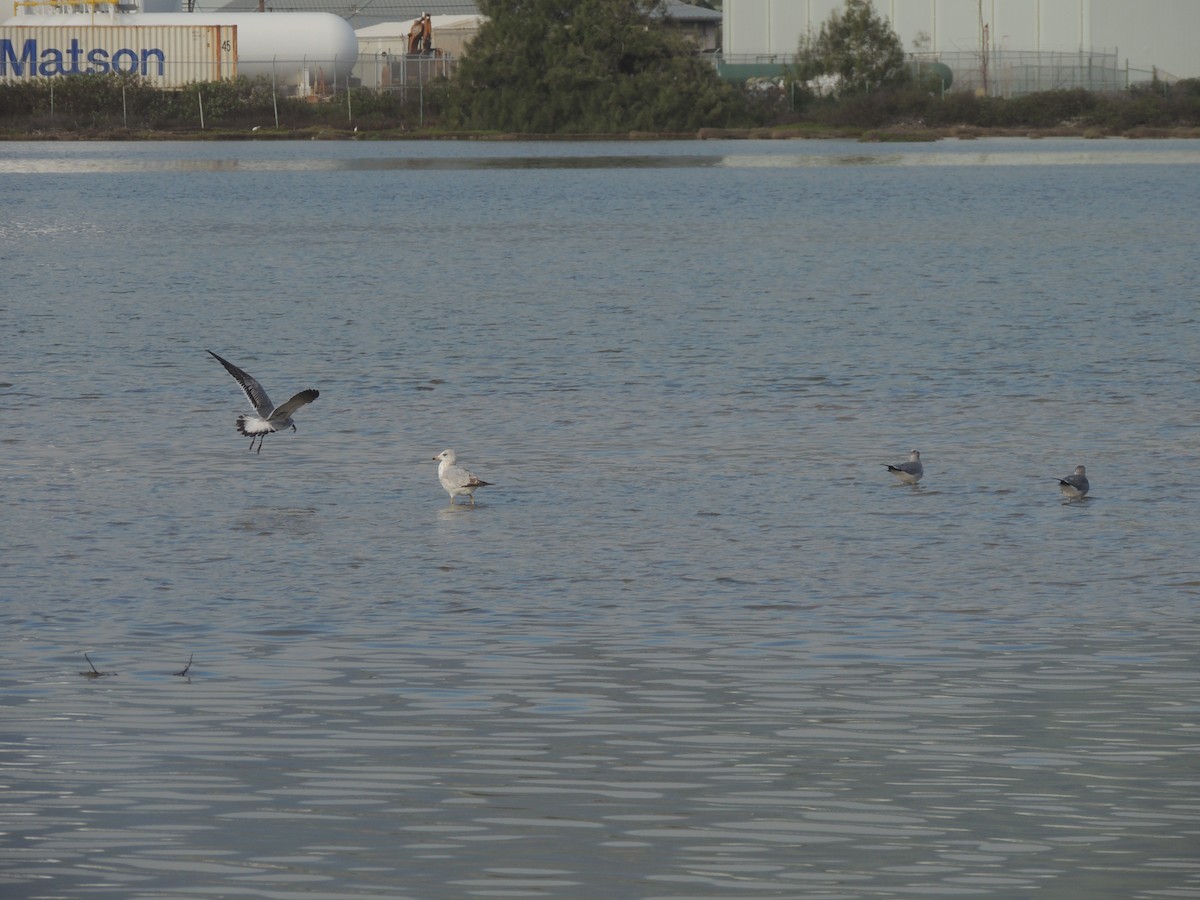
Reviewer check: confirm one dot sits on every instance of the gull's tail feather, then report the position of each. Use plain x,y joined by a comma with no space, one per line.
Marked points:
252,426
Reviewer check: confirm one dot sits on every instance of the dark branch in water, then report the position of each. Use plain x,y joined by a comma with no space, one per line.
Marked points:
184,671
94,673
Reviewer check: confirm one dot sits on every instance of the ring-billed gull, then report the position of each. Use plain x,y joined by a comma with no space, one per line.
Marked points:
1075,485
455,479
270,418
909,472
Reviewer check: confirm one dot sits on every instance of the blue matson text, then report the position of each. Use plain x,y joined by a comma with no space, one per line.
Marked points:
75,60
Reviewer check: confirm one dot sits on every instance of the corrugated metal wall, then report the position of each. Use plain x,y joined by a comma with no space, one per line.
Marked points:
166,55
1163,33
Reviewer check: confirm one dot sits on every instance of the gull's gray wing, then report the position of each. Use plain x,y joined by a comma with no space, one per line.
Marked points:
254,391
457,476
295,403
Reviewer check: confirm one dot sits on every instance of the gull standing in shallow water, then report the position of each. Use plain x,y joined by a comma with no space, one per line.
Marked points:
455,479
909,472
270,418
1075,485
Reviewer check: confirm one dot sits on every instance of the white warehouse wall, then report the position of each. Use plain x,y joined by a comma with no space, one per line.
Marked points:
1163,33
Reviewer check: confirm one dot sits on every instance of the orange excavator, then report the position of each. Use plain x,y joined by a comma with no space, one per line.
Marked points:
420,35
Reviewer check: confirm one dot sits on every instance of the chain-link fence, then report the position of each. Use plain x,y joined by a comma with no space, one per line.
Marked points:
400,72
999,73
1014,73
1002,73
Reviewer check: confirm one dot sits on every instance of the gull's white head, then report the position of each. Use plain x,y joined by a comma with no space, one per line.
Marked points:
446,456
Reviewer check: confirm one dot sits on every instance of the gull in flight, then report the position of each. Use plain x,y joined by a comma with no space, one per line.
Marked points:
455,479
1075,485
270,418
909,472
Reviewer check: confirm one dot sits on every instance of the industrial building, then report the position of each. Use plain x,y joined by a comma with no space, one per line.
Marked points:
311,47
1139,39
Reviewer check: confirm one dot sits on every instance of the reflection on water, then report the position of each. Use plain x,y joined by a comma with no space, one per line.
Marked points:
1058,158
800,154
60,166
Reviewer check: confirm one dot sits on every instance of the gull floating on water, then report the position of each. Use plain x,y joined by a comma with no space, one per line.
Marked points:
270,418
909,472
455,479
1075,486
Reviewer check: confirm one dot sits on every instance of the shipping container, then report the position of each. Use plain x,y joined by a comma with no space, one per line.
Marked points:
167,56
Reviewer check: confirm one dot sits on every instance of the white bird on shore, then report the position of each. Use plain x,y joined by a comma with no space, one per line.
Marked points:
455,479
269,418
909,472
1075,485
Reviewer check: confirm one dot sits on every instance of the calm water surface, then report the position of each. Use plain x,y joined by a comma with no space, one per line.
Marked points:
693,642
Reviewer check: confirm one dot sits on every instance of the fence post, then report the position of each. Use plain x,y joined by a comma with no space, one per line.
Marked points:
124,108
200,98
274,96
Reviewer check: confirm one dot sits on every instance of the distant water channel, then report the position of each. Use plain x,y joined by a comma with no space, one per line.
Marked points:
694,642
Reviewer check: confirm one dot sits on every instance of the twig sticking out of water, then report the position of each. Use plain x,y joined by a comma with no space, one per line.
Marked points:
94,673
183,673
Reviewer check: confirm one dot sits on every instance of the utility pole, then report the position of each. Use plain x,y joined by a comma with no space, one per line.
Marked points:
983,50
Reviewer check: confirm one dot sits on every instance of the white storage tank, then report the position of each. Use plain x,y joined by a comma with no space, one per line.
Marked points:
296,47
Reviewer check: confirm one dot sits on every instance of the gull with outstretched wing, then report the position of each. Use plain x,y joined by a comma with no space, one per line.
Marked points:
269,418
